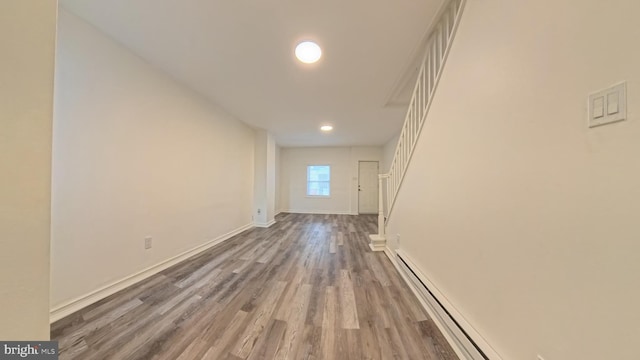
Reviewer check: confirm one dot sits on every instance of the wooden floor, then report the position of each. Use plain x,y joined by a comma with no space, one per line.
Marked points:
306,288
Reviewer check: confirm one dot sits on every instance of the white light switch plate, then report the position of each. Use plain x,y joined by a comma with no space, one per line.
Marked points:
608,106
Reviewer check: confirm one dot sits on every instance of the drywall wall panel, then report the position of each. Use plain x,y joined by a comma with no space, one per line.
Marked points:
27,40
523,216
135,155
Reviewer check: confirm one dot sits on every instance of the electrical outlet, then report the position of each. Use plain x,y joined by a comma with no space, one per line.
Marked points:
398,238
259,211
148,242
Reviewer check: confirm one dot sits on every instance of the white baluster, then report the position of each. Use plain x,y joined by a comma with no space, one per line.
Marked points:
437,48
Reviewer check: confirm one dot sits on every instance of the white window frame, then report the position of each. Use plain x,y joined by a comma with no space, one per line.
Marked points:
306,187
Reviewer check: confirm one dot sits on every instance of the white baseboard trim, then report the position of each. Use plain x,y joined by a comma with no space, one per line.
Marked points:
390,254
439,324
81,302
446,304
318,212
264,225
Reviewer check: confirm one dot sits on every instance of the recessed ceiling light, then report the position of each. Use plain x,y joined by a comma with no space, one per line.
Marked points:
326,127
308,52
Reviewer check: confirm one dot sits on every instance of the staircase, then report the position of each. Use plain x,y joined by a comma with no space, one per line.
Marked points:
463,338
431,67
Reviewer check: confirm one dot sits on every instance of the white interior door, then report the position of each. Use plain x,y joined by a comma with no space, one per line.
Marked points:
368,187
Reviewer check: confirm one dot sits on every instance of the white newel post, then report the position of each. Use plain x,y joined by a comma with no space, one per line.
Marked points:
379,240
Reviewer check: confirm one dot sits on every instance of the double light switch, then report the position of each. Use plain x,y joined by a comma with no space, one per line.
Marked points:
608,105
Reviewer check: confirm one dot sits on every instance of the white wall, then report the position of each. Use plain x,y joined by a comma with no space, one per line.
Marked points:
264,179
27,40
277,203
293,179
271,179
344,178
135,154
526,219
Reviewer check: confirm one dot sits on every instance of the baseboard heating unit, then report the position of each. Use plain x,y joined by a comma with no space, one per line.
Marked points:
464,345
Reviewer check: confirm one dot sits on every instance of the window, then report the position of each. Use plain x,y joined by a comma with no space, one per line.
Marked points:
319,180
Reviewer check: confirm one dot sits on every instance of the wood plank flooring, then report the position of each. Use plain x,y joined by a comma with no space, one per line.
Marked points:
306,288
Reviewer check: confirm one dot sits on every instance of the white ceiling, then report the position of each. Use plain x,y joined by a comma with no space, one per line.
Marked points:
239,54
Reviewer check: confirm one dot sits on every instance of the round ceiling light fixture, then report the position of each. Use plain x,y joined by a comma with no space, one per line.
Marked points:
326,128
308,52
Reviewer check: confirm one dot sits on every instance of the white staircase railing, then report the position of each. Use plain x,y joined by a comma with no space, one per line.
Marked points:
431,66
